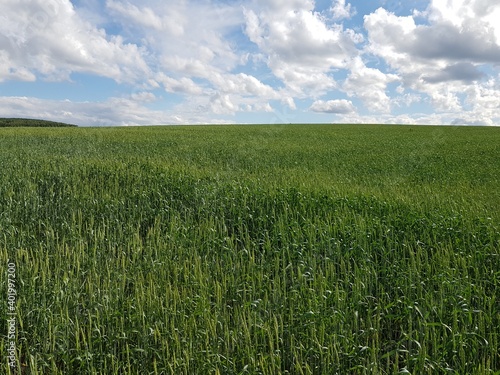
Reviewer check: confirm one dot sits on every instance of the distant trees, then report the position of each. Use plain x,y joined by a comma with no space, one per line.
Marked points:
22,122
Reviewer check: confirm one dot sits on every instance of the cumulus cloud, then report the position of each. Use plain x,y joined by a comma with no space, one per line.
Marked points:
446,46
112,112
289,102
195,57
302,48
333,106
370,86
443,57
243,84
48,38
181,33
219,59
470,122
463,71
470,41
222,104
183,85
144,16
340,10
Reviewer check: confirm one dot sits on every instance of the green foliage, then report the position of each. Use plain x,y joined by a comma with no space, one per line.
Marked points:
22,122
253,249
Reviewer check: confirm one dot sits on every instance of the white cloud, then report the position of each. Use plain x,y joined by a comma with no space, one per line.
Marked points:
114,111
280,6
289,102
471,121
406,99
443,58
370,86
471,41
340,10
144,97
333,106
484,102
220,58
445,100
49,38
183,85
243,84
455,34
8,70
462,71
388,35
222,104
182,31
302,48
145,16
193,54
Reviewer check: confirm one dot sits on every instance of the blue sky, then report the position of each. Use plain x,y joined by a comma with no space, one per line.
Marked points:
125,62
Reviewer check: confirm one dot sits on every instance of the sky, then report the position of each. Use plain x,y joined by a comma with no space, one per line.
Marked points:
151,62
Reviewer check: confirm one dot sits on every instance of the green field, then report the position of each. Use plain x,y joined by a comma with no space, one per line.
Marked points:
286,249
